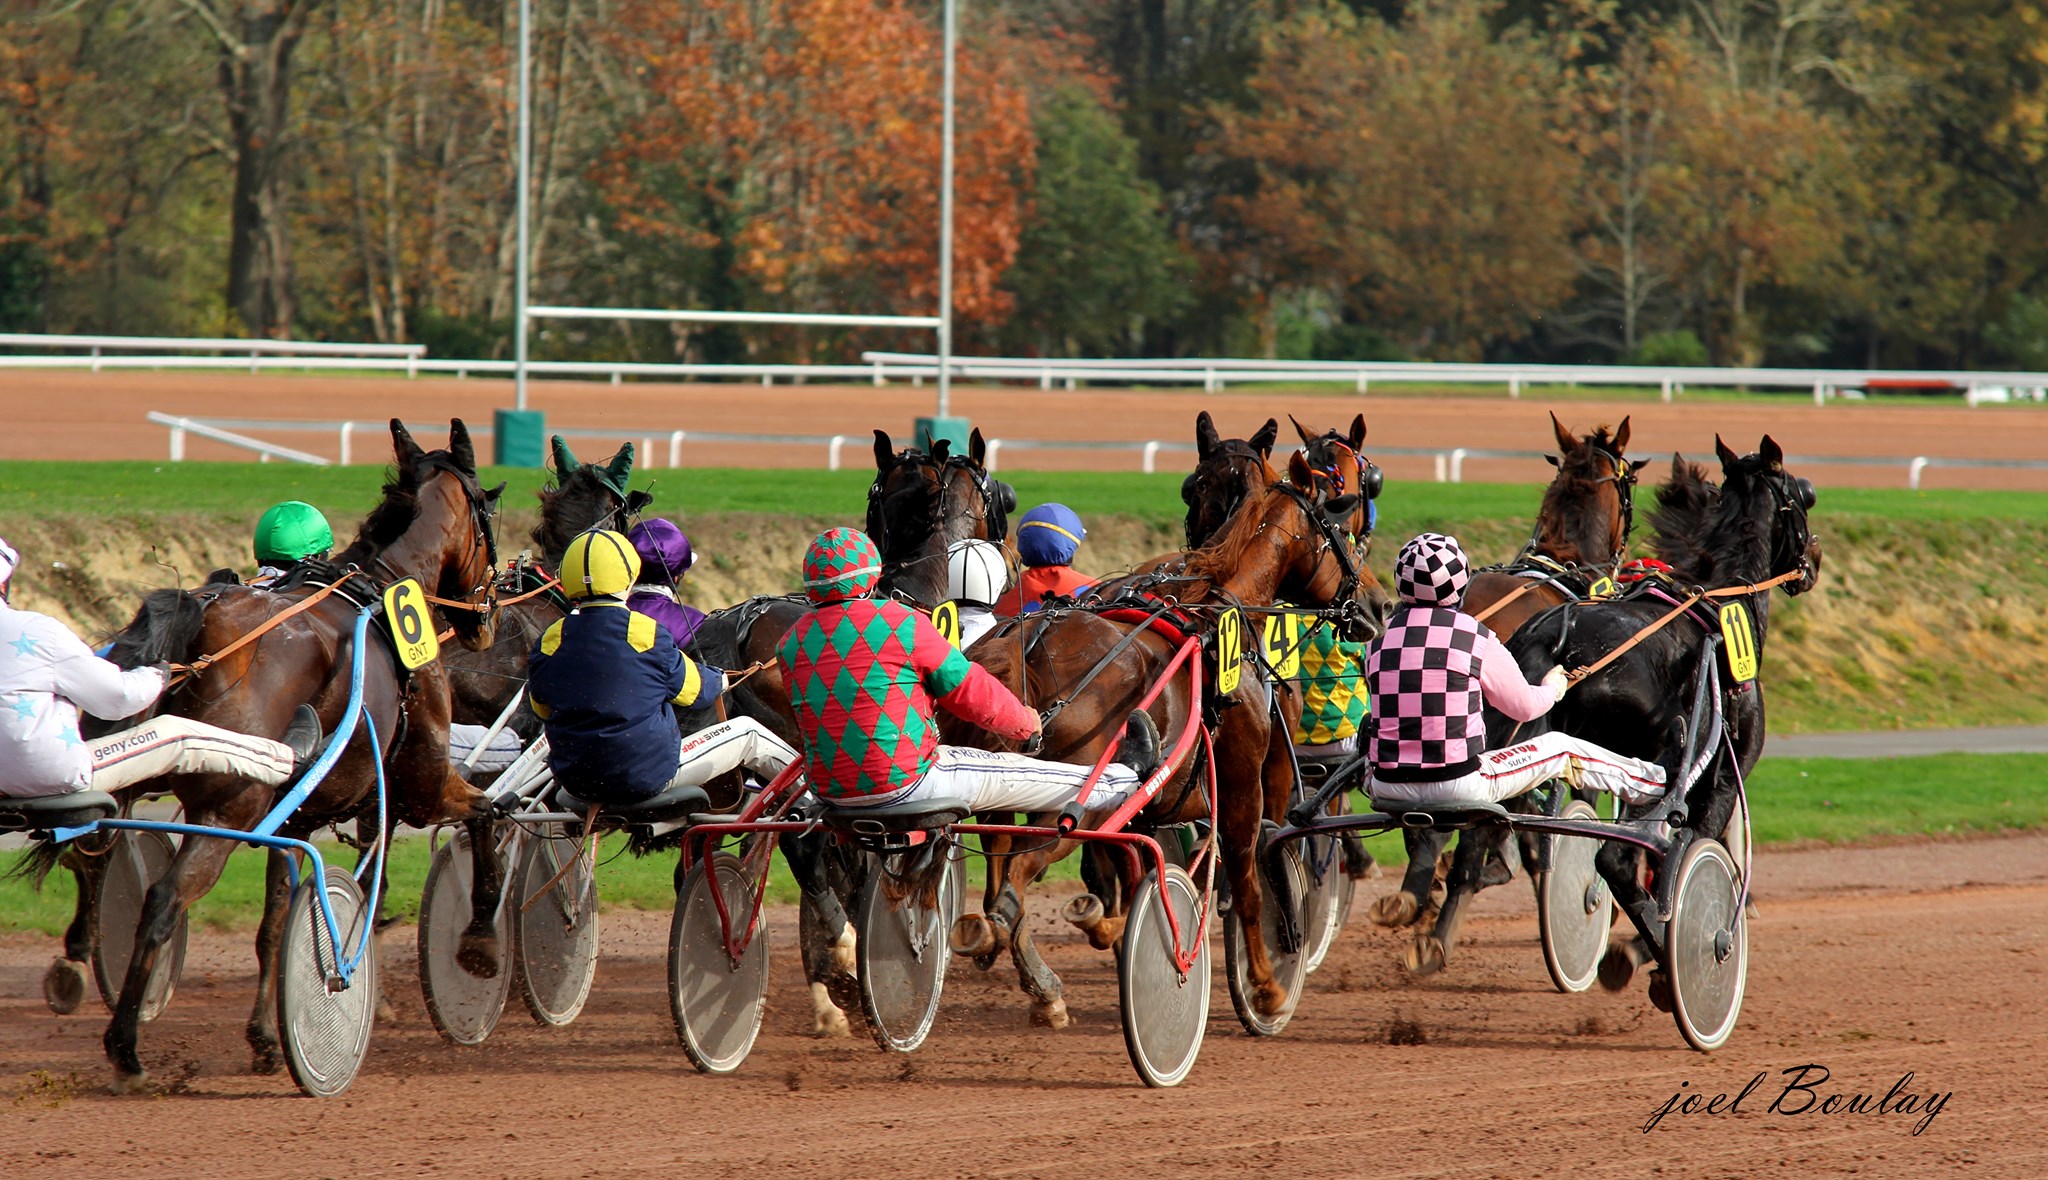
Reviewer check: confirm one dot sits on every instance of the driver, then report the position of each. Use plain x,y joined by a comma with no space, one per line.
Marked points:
975,576
606,682
288,536
864,676
48,676
1047,540
1431,671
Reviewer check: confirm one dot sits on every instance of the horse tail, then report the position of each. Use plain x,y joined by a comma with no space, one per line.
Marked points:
35,864
163,629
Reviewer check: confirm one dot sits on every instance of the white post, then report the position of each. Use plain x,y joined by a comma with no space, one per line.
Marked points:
1045,377
946,219
1820,393
1442,474
616,379
178,442
1208,381
524,214
95,358
1514,388
347,428
995,447
1667,391
1457,464
647,448
1151,457
832,452
675,448
1913,470
878,375
1361,381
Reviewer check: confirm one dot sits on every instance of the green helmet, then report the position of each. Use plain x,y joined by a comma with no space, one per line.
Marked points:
292,531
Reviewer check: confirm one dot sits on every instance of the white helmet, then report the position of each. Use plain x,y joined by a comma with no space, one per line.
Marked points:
976,572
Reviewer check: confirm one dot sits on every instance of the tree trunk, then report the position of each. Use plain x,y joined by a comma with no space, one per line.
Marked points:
255,79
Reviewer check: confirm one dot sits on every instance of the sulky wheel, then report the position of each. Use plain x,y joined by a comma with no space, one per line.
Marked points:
557,945
715,999
325,1026
1290,968
1165,1011
1573,906
902,951
463,1007
1708,946
1326,906
135,861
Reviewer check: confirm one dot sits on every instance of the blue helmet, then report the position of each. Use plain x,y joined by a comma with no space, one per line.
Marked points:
1049,535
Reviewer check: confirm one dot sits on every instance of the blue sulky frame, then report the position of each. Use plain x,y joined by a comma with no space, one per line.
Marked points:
263,835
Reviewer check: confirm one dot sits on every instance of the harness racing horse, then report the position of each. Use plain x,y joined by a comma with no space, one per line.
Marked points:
433,524
1753,531
1086,672
1226,471
918,504
1582,531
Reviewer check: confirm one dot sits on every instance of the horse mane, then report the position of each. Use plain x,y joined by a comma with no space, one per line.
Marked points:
1225,552
579,501
390,518
163,629
1679,523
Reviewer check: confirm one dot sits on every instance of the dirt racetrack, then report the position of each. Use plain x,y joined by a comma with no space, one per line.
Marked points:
1872,962
84,415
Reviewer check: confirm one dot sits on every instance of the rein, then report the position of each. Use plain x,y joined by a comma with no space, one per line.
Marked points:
1578,674
200,665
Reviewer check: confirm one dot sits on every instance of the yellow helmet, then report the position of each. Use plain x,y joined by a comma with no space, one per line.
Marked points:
599,562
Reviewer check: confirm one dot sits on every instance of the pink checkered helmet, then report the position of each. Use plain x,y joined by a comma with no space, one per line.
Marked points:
1432,570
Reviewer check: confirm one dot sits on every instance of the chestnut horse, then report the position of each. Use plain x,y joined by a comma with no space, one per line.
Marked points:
433,524
1282,542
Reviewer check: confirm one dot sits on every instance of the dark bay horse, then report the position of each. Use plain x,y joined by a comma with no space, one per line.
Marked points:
1752,530
1282,542
434,524
918,504
1226,471
1581,534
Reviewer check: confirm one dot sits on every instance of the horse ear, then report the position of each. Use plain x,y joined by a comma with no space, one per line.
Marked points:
1553,460
565,460
637,501
493,495
403,446
1307,439
1357,431
1637,465
1298,473
1206,438
460,447
620,469
942,449
1263,441
1621,436
1565,441
977,448
1338,509
1728,457
1771,452
885,451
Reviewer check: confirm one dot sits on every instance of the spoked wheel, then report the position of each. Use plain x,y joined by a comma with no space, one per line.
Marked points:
1326,905
324,1026
135,861
557,943
1164,1011
1708,946
1290,970
1574,908
902,951
464,1008
715,999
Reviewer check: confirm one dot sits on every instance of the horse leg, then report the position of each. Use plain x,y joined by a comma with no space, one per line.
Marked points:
1040,982
823,933
1240,828
1620,866
478,950
64,982
194,870
1098,913
1425,846
985,935
261,1032
1432,950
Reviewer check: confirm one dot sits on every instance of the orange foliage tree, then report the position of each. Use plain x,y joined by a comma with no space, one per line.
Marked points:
800,141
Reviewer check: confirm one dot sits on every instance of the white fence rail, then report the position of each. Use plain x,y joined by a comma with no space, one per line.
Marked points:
1448,463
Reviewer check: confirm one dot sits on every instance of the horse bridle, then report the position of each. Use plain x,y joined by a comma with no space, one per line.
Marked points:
998,499
1784,505
1342,548
483,597
1624,481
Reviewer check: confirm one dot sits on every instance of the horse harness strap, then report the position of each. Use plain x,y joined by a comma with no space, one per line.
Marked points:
1695,599
1144,621
206,661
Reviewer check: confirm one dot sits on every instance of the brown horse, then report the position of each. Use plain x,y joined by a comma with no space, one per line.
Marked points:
1282,542
1226,471
434,525
1582,531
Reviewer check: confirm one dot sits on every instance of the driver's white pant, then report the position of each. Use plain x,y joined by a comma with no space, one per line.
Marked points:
998,782
180,745
1506,773
727,746
464,739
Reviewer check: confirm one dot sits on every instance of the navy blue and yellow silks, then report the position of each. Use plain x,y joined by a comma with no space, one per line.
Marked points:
606,681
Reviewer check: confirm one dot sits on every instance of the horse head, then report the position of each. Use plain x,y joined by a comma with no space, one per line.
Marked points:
1337,460
1759,496
435,524
1589,508
585,496
921,502
1291,544
1227,470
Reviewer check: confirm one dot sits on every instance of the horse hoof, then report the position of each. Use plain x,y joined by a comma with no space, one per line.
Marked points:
1270,999
1394,910
974,936
1083,910
1660,991
843,947
130,1083
1050,1014
1107,933
386,1014
1425,956
478,955
826,1018
64,986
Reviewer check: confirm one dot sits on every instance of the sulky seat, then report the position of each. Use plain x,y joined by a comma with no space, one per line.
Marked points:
669,806
1444,816
920,816
42,812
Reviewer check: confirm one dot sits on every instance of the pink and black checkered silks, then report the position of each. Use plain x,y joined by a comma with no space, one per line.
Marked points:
1432,569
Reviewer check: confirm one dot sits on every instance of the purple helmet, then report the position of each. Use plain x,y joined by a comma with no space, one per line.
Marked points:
664,551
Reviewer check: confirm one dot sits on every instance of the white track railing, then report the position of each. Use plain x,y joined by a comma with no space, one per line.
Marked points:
1448,463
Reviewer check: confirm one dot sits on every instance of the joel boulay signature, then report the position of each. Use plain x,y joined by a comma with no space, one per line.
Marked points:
1804,1091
